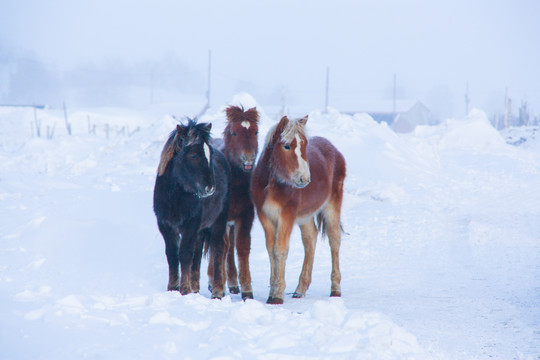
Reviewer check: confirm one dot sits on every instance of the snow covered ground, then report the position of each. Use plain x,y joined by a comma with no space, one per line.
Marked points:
440,260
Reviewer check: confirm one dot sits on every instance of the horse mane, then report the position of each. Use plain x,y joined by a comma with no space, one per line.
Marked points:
293,127
193,131
237,113
197,131
168,152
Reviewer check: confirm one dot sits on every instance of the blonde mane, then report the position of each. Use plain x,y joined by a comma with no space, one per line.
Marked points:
293,127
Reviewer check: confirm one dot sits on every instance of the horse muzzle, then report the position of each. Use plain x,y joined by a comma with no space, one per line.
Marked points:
248,162
248,165
301,181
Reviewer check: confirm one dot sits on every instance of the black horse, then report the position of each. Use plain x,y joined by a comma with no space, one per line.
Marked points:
191,203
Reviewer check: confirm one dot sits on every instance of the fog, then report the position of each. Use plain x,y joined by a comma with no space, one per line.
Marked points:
125,53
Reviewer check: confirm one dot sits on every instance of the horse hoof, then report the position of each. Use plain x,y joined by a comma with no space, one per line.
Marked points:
173,288
274,301
335,293
218,295
234,290
247,295
210,288
297,295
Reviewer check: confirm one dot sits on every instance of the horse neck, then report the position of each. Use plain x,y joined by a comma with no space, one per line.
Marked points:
263,168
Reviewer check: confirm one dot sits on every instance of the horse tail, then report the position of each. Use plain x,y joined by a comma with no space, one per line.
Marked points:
322,225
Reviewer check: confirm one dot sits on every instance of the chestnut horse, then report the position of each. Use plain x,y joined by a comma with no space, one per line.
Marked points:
240,146
295,181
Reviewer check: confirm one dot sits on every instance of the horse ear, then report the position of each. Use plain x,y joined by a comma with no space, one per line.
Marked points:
282,123
207,127
252,113
303,120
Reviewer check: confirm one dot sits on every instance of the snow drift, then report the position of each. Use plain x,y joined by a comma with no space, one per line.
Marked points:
440,258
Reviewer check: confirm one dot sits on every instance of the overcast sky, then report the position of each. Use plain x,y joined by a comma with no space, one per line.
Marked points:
434,47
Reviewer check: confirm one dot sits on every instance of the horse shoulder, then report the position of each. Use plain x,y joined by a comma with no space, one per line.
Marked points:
173,205
214,206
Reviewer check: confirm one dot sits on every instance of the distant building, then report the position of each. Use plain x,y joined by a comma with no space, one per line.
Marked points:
407,116
417,115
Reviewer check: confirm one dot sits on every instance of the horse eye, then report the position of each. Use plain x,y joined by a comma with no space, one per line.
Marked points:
287,147
256,133
234,134
193,155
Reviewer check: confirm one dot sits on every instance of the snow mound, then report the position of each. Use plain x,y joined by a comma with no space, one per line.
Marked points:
472,133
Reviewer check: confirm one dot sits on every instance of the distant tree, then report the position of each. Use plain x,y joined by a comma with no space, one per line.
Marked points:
524,116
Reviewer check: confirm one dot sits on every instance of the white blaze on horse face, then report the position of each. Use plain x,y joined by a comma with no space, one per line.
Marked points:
206,152
245,124
303,166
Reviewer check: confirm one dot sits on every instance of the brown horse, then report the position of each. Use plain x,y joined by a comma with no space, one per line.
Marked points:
296,181
240,147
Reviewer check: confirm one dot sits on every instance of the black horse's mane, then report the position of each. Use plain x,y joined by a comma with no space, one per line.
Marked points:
191,131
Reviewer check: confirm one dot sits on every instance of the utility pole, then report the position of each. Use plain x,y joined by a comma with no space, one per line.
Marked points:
282,102
207,105
394,91
507,110
467,99
209,78
152,87
327,85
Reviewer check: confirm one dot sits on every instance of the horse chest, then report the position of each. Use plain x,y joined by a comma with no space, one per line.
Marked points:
240,198
277,201
272,209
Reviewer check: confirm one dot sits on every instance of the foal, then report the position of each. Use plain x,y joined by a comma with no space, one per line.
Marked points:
240,146
296,181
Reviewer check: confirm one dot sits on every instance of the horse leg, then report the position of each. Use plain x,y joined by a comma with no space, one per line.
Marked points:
210,271
243,248
217,249
232,273
269,233
333,228
196,266
281,250
172,240
309,238
186,255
